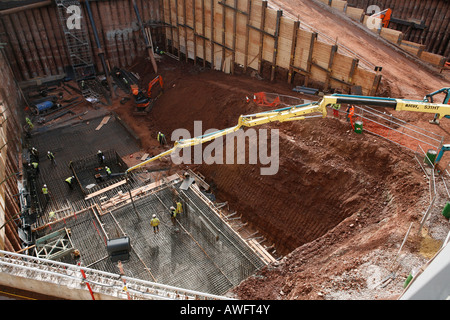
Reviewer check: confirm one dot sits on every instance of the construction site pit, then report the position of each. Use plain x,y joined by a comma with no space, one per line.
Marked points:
327,209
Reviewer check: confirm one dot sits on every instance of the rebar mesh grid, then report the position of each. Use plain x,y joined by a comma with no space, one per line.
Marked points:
70,143
87,169
197,252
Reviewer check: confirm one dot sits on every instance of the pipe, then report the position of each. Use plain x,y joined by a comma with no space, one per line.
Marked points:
147,44
101,54
27,7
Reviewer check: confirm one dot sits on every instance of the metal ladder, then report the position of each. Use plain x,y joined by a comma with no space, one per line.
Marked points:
78,45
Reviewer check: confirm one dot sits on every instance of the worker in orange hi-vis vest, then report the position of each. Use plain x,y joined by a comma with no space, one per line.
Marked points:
350,113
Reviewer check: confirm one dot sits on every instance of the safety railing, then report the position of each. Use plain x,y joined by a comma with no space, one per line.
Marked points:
109,284
393,129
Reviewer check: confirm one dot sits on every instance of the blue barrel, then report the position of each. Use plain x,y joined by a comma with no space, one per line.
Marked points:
43,106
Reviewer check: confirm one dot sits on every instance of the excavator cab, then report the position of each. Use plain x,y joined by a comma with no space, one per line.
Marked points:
144,102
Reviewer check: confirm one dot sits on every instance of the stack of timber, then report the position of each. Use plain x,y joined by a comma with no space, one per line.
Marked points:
404,39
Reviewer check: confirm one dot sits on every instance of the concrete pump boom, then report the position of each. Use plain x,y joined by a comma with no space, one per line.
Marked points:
298,113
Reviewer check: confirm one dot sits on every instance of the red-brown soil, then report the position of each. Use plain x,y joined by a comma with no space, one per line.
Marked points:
340,204
338,207
403,78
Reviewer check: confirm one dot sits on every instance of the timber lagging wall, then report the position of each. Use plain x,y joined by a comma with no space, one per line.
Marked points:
225,33
435,14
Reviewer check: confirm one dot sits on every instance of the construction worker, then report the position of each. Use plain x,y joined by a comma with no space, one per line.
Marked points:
100,156
51,157
173,214
155,223
108,171
350,114
161,139
69,181
179,207
29,123
35,166
34,152
159,51
336,107
51,215
45,192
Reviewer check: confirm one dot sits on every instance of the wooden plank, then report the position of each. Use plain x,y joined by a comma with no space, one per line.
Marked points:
342,67
321,54
262,252
432,58
339,5
365,79
96,193
355,13
394,36
125,197
103,122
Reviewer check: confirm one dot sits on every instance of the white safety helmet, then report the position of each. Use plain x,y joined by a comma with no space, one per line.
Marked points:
172,208
154,216
45,186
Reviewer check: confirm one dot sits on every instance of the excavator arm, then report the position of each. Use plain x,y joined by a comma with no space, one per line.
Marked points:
157,79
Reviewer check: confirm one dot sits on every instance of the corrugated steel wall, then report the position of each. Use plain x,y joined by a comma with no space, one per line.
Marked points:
435,13
11,117
36,45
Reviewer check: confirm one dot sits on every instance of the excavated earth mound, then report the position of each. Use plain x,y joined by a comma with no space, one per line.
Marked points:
338,207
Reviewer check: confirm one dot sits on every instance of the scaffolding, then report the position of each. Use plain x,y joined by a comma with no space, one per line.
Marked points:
84,283
78,46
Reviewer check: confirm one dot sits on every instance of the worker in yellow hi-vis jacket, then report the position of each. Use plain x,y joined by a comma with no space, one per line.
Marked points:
155,223
179,207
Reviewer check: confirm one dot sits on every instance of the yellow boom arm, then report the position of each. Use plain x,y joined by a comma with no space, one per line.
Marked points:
298,113
280,115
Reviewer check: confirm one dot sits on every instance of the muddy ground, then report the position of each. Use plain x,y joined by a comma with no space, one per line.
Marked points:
336,212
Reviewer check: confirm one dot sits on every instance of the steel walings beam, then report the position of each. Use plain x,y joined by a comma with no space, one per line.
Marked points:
105,283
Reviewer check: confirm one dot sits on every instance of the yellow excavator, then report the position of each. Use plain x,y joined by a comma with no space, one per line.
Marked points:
298,113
